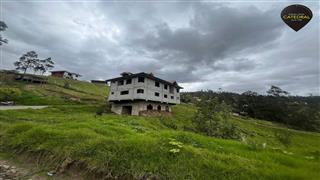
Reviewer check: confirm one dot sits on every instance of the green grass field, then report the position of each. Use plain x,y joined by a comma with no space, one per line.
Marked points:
137,147
55,92
132,147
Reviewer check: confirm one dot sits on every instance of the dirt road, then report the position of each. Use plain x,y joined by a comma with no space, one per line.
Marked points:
21,107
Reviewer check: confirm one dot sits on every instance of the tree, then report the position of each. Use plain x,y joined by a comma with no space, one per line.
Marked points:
30,60
212,118
27,61
276,91
3,27
46,64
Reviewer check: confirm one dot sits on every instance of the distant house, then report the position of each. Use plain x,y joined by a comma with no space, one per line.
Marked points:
138,93
65,74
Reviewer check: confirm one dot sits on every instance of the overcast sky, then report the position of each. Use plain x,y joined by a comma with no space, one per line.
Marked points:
209,45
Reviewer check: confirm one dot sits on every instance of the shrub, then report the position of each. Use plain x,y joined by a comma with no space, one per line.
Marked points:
67,85
213,119
9,94
168,122
284,137
105,108
255,146
175,146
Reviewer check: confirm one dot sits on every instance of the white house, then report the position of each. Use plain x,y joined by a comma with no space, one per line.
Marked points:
136,93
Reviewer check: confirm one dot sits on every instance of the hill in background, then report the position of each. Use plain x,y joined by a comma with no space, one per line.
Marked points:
56,91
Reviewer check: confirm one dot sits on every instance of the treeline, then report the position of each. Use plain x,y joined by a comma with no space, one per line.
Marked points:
299,112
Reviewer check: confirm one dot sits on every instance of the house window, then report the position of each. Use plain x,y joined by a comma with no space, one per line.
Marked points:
141,79
129,81
172,97
165,86
157,94
165,96
171,90
177,90
124,92
159,108
157,84
112,92
120,83
140,91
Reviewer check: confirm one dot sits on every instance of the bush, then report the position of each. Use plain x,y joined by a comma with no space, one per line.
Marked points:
67,85
105,108
213,119
169,123
284,137
9,94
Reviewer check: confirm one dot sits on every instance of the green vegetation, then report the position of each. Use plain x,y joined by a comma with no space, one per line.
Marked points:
55,92
213,119
9,94
84,134
298,112
139,147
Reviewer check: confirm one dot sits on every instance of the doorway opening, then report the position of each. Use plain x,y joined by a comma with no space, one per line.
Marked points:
149,107
127,110
167,108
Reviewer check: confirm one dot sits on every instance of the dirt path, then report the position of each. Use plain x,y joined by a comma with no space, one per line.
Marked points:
9,171
21,107
19,169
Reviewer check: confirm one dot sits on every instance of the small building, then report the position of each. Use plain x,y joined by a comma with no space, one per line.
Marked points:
136,94
65,74
31,78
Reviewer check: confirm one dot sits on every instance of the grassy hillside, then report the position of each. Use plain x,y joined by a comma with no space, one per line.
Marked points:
57,91
115,146
138,147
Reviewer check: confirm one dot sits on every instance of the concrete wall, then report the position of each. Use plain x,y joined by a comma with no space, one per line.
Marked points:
149,91
138,106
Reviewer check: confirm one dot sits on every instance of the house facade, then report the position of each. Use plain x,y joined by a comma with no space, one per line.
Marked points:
137,93
65,74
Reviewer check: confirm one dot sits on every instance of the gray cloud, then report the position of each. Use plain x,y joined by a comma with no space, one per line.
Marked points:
234,46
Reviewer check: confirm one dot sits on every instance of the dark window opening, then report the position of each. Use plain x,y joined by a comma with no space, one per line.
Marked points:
157,94
129,81
171,89
177,90
149,107
124,92
157,84
159,108
140,91
140,79
165,86
165,96
172,97
112,92
120,83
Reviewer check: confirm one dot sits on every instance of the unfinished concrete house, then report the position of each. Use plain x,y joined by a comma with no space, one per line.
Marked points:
136,94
